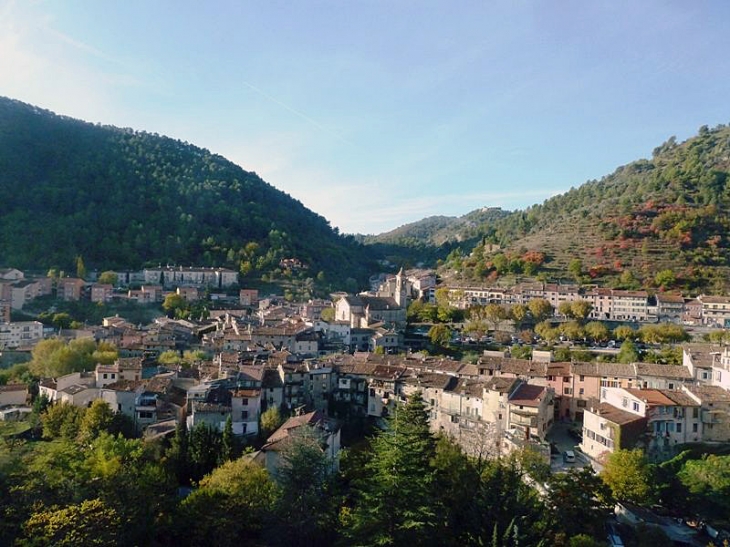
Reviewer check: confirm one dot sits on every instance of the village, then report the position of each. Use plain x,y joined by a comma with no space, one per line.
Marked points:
266,352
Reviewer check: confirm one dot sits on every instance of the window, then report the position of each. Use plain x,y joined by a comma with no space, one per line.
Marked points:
636,406
671,385
454,419
582,377
244,414
625,402
581,391
694,428
679,427
566,391
105,376
145,415
566,378
244,402
695,413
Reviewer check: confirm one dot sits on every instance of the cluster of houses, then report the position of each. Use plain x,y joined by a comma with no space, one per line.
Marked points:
270,353
607,304
490,407
269,356
154,284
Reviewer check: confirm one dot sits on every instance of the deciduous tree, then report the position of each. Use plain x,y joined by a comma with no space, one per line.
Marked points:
630,477
540,309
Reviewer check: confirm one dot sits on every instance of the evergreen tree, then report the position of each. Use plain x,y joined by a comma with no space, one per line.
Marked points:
178,456
228,442
396,503
305,510
80,268
204,450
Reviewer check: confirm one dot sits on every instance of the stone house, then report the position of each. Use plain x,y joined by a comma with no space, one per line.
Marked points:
714,423
13,395
324,430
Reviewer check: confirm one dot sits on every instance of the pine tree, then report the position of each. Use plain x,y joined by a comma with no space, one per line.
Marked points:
396,502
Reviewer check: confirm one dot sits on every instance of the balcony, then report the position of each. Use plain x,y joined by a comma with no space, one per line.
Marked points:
523,419
711,416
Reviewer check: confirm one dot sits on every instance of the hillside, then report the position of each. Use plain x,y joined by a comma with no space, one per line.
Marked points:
667,213
121,198
434,237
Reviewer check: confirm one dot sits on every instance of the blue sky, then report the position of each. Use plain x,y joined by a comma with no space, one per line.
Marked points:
378,113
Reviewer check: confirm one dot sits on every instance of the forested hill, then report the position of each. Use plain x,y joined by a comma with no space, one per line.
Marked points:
662,222
433,237
121,198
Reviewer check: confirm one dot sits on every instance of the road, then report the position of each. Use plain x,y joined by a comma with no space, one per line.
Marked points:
559,436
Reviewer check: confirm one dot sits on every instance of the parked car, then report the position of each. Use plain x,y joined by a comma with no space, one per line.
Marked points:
569,456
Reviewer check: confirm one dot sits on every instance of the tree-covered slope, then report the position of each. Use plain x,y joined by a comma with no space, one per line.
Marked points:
433,237
670,212
121,198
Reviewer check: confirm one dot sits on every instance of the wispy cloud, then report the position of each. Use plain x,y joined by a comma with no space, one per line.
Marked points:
296,112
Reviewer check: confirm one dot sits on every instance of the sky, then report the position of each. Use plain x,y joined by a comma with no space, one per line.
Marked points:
377,113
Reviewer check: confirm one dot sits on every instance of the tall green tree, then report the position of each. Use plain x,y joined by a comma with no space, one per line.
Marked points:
178,455
306,509
228,442
80,268
396,503
204,450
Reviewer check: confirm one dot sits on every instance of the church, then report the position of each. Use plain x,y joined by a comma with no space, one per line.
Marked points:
387,307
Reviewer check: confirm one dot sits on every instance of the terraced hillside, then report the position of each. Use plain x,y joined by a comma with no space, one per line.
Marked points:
670,213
